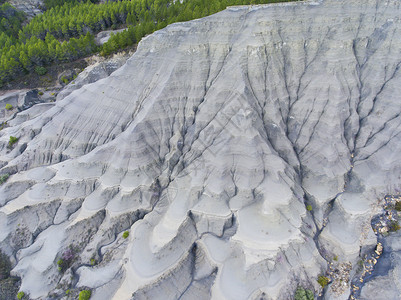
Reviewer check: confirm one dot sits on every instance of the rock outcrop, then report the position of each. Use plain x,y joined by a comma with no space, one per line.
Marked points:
99,69
244,153
30,7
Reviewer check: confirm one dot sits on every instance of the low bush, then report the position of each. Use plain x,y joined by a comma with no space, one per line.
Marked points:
65,80
12,141
60,264
309,207
303,294
9,106
4,177
125,234
40,70
20,295
85,295
397,206
323,281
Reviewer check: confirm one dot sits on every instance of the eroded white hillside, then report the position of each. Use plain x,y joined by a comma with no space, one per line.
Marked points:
208,146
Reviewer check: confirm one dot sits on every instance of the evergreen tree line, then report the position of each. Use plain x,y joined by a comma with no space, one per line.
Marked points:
53,3
65,33
75,18
22,58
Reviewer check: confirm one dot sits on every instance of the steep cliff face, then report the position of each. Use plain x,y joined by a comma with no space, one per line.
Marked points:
244,152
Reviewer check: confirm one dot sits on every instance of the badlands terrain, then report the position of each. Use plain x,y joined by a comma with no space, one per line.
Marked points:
238,156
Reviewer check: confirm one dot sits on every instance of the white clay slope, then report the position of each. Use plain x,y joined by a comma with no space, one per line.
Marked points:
207,145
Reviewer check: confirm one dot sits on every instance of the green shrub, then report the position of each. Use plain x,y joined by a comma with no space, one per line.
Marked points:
323,281
20,295
60,264
85,295
397,206
125,234
4,177
40,93
12,141
93,261
3,125
9,106
40,70
335,258
309,207
303,294
65,80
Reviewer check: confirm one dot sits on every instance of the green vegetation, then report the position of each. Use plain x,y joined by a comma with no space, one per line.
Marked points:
303,294
3,178
53,3
397,206
60,264
11,20
323,281
9,106
12,141
309,207
65,80
3,125
335,258
65,32
20,295
85,295
5,265
40,70
93,261
125,234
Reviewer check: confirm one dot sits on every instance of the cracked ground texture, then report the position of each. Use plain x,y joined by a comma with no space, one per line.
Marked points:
242,152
